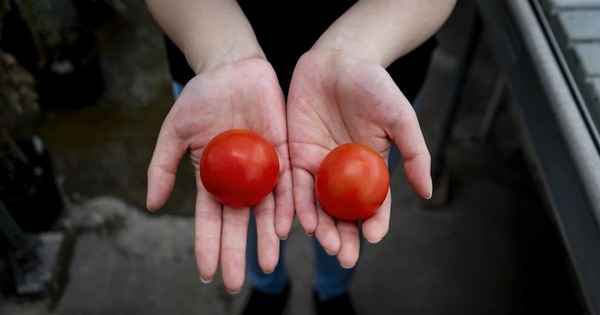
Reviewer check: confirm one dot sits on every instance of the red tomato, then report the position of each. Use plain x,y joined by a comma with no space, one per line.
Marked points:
352,182
239,168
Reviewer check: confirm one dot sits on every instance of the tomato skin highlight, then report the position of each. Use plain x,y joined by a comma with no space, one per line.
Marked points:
352,182
239,168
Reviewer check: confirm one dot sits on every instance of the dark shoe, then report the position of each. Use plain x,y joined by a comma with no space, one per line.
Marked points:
261,303
338,305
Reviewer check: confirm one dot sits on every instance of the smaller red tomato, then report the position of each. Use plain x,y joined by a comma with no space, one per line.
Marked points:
239,168
352,182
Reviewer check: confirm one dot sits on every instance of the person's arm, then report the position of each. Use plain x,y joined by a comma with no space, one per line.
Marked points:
340,92
208,32
381,31
235,87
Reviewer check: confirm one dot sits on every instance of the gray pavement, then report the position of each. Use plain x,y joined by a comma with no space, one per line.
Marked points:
491,249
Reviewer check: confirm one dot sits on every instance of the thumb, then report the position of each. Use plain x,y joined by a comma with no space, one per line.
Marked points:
161,173
407,135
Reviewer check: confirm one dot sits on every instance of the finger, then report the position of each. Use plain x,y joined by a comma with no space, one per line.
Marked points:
233,247
268,241
208,234
350,243
327,233
161,173
304,199
377,226
284,199
410,141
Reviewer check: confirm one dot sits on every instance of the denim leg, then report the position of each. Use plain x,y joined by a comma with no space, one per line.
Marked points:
331,279
176,88
393,159
272,283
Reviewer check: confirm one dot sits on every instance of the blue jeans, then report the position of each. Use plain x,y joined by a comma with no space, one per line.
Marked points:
331,279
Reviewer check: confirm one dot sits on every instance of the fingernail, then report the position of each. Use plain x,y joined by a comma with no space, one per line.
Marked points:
309,234
375,241
347,267
284,238
206,281
430,192
330,254
234,292
269,272
429,195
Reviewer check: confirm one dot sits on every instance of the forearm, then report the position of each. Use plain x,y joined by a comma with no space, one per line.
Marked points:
384,30
208,32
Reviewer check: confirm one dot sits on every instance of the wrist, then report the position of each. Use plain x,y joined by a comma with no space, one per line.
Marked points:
208,32
219,55
217,59
346,43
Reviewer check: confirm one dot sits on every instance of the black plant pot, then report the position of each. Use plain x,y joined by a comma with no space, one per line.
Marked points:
16,39
92,13
29,190
74,78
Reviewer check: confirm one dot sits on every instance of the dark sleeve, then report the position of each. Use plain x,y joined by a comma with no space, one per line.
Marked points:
178,66
410,71
283,46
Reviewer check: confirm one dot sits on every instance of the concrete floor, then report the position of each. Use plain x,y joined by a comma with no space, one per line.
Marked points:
491,249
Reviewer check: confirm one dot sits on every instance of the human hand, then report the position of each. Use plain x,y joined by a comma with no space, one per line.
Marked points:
336,98
242,94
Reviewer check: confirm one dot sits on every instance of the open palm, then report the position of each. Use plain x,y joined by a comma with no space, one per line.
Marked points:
244,94
335,99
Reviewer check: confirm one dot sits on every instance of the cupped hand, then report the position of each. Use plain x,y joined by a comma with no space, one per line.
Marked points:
337,98
244,94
